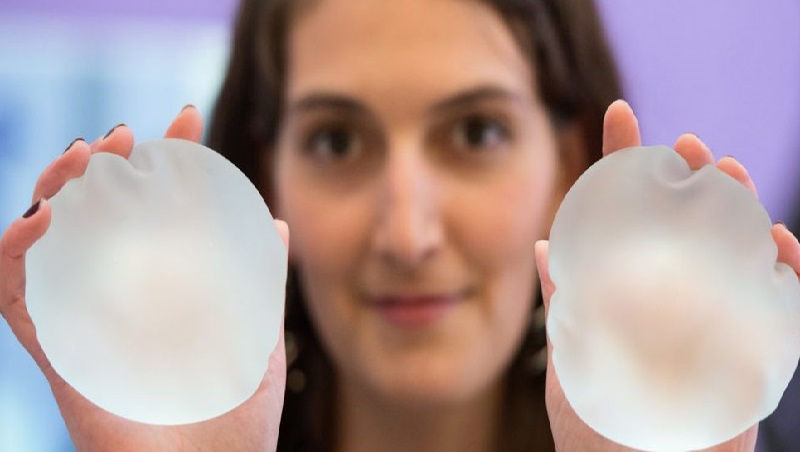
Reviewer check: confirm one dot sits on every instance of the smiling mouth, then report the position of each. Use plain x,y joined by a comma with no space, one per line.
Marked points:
416,310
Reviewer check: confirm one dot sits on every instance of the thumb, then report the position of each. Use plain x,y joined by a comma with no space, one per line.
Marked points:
558,409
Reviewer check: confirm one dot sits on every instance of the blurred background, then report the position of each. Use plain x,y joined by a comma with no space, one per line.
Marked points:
728,71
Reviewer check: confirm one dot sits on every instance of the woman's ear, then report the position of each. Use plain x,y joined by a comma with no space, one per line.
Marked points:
573,155
572,162
266,181
267,186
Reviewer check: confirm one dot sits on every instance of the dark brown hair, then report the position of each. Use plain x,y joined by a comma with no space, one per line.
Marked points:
576,79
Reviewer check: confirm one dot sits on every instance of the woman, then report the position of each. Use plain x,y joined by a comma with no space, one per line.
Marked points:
417,150
362,98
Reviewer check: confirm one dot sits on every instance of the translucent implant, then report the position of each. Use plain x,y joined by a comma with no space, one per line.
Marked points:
158,290
673,327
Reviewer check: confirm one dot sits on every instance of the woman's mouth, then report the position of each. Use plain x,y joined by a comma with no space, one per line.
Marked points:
415,310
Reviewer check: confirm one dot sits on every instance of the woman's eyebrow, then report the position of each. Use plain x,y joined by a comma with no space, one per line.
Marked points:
327,101
332,101
473,95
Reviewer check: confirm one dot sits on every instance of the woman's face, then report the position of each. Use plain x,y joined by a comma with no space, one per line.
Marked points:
416,167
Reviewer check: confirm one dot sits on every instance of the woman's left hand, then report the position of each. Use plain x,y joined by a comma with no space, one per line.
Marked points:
621,130
253,425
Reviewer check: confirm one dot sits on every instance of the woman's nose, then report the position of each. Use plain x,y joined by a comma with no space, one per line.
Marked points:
408,228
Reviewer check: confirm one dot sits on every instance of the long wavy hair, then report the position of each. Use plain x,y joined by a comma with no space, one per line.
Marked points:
564,42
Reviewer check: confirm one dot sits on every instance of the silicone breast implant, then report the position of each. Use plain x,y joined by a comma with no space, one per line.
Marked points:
158,290
673,327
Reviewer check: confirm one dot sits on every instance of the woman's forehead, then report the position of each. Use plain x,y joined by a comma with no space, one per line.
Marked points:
393,48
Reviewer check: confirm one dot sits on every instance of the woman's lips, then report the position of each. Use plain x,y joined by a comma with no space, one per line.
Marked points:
414,311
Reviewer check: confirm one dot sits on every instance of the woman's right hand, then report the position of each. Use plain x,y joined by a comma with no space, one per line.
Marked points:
251,426
621,130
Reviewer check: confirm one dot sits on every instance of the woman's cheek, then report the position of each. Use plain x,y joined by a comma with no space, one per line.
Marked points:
503,220
326,226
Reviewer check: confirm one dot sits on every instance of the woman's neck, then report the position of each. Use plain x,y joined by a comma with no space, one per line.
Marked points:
369,424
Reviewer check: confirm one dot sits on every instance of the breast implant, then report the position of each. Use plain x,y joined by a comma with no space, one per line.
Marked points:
158,290
673,326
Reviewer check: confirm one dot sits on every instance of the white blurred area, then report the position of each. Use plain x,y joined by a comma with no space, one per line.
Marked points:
79,76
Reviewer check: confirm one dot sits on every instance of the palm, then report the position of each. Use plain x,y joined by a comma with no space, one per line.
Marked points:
251,426
621,131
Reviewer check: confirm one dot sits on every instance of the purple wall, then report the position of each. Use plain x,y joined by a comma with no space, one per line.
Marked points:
190,10
727,71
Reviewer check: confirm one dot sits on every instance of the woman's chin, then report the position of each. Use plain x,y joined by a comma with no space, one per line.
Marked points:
435,383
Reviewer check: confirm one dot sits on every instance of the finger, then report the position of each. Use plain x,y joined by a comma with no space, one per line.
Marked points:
557,408
119,140
71,164
788,247
736,170
541,251
620,128
694,151
188,125
559,411
283,231
15,242
277,380
23,233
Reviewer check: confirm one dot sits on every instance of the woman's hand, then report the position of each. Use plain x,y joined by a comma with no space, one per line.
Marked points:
251,426
621,130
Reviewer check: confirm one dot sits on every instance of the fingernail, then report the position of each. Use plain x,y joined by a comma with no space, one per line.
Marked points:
112,130
781,223
187,106
32,210
70,145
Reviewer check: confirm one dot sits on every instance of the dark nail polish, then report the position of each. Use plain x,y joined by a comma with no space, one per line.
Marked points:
187,106
70,145
781,223
32,210
112,130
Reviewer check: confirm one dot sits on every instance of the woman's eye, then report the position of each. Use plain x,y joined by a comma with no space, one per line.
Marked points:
333,143
477,133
